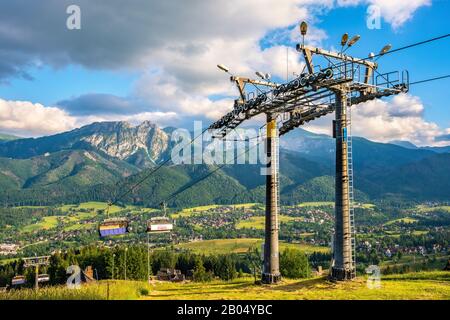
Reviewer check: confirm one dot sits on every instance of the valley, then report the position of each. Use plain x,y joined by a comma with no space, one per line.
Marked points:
229,151
399,240
55,193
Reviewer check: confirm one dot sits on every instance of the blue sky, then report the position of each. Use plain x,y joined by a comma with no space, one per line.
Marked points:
422,62
50,85
154,65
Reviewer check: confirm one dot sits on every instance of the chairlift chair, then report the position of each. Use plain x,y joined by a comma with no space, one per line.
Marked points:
160,224
18,281
43,278
113,226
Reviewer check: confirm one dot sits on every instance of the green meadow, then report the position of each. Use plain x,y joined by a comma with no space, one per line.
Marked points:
412,286
258,222
221,246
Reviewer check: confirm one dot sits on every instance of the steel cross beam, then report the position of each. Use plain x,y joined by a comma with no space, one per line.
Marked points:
33,261
284,98
242,81
308,51
306,89
302,114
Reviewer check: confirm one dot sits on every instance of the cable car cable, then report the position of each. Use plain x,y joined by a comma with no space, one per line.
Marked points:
431,79
401,48
173,195
221,166
414,45
151,173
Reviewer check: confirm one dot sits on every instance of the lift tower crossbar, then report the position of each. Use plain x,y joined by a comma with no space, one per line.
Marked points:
36,262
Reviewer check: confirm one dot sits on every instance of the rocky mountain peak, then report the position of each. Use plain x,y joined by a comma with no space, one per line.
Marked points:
142,144
147,124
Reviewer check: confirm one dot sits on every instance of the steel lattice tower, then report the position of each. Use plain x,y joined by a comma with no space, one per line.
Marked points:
343,82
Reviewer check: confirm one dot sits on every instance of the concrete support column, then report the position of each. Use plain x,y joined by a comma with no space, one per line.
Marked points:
271,269
36,277
342,268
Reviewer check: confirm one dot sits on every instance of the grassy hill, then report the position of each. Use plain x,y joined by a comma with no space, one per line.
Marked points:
64,169
70,176
222,246
428,178
7,137
413,286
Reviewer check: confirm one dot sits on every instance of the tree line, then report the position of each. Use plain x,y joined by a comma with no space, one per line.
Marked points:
134,262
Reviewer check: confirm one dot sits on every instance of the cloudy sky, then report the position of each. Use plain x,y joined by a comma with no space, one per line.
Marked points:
156,60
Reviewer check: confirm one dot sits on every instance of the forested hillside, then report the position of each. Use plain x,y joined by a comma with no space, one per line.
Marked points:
100,161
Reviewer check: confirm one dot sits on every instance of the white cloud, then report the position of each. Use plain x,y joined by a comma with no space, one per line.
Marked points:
394,12
178,43
29,119
162,92
273,60
183,40
348,3
197,72
400,118
185,81
115,36
397,12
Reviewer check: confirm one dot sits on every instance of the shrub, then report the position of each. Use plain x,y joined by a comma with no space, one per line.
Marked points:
143,291
294,264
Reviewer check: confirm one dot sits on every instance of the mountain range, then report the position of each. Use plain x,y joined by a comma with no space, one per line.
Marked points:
101,161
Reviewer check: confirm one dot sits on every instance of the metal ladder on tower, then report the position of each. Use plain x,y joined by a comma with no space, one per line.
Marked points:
350,184
277,166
